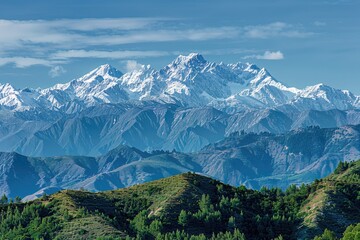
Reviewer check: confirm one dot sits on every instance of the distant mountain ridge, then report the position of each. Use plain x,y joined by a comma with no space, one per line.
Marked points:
151,126
255,160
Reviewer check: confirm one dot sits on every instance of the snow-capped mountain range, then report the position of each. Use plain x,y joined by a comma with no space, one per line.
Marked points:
189,81
185,106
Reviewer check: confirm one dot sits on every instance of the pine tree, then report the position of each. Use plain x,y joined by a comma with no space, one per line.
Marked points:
4,199
183,218
231,223
327,235
17,199
155,227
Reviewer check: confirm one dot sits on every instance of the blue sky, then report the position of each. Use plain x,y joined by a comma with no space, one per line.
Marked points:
300,42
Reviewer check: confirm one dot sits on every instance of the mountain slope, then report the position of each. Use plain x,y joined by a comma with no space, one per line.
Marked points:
335,203
279,160
152,126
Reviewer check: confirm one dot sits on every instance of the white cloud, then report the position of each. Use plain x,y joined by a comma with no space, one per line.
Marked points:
56,71
81,33
47,36
55,41
91,24
106,54
132,65
23,62
156,36
277,29
62,34
268,56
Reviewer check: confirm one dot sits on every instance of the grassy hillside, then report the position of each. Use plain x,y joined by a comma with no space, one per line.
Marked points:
335,204
189,205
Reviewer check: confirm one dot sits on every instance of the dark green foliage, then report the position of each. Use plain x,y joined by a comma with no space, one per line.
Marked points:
352,232
343,166
17,199
4,199
183,219
182,235
33,221
327,235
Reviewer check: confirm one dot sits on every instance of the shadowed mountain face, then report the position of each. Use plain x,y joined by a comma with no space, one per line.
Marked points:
254,160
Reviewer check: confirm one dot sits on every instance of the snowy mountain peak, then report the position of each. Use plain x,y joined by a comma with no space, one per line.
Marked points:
107,69
317,90
6,88
252,67
322,97
9,97
100,73
191,60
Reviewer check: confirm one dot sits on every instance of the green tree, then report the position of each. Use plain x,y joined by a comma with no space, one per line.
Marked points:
280,237
205,204
17,199
238,235
45,197
231,223
155,227
140,224
183,218
4,199
327,235
352,232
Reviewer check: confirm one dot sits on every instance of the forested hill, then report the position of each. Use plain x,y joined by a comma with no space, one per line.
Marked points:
191,206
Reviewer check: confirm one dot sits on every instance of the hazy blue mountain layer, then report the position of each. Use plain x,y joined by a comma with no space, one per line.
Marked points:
251,159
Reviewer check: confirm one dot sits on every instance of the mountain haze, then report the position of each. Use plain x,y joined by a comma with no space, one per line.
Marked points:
254,160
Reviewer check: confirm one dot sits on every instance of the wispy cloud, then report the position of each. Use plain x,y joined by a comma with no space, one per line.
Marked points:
80,33
131,65
56,71
23,62
98,32
53,42
277,29
84,24
106,54
268,55
91,24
